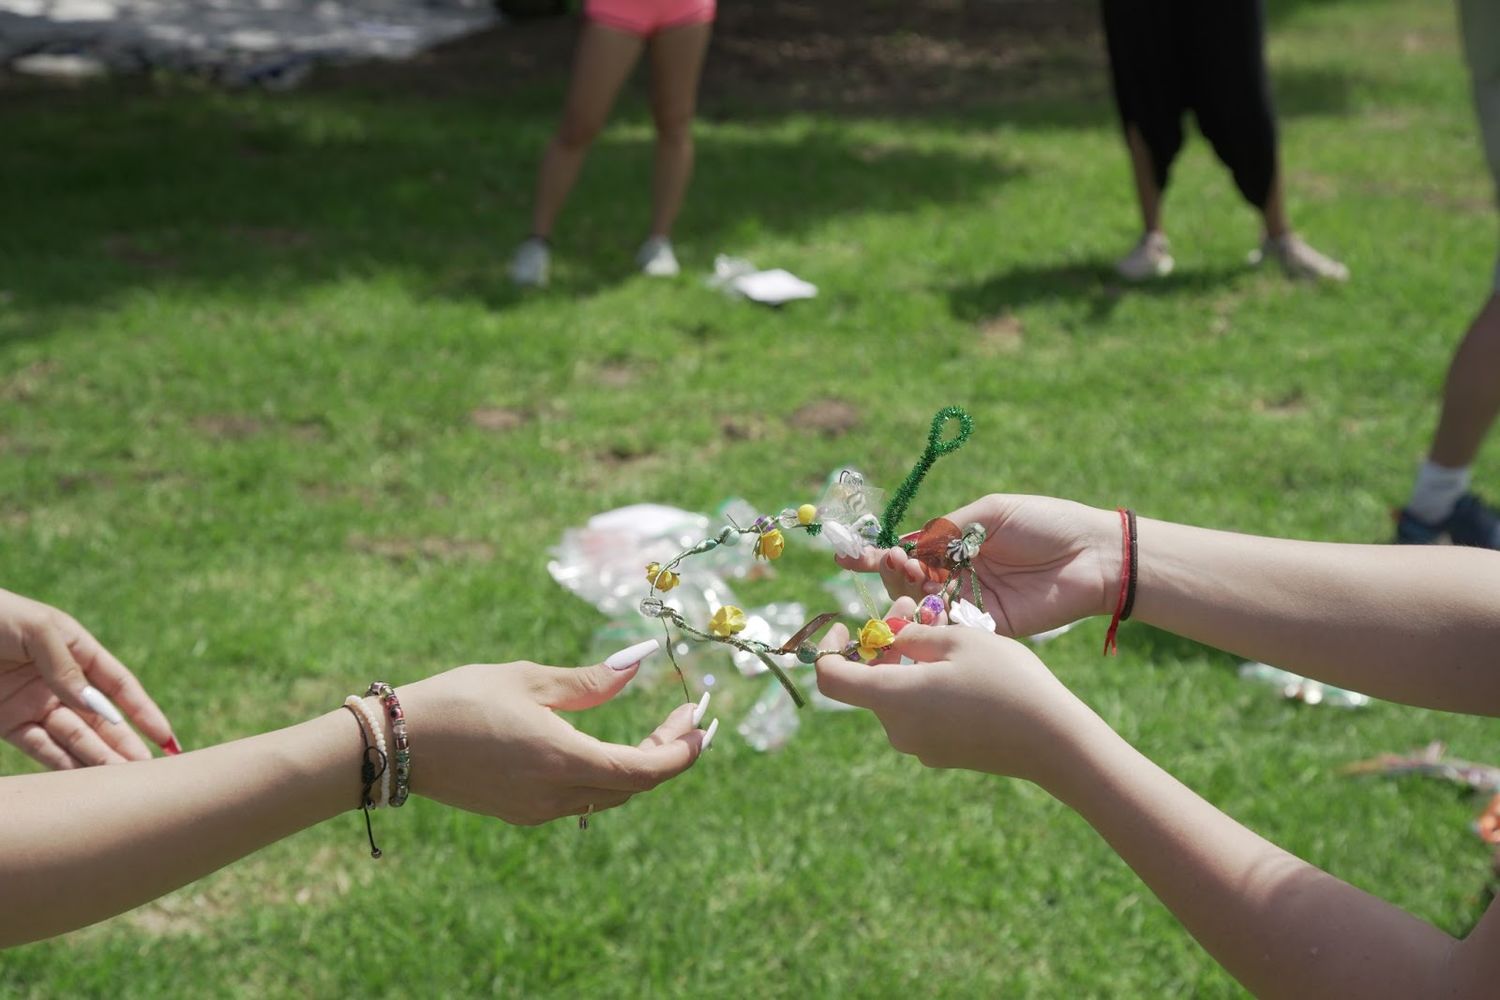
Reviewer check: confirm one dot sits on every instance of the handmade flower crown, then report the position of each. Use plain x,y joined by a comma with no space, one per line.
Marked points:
845,516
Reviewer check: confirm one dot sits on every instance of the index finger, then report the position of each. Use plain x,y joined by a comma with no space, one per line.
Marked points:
637,769
117,683
927,643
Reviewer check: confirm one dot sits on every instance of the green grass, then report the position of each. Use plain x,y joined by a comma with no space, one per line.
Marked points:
242,338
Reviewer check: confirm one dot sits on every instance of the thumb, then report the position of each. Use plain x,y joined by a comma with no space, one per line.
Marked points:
577,688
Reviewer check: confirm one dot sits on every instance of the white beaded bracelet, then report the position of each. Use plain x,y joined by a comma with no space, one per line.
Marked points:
377,733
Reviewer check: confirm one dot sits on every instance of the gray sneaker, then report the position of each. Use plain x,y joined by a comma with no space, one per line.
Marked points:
532,261
1151,258
1298,259
656,258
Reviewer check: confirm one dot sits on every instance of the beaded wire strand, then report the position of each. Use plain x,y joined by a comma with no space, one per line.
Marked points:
663,577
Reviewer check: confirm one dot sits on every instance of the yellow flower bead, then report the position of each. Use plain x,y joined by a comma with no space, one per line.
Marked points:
727,621
807,514
662,579
873,638
770,544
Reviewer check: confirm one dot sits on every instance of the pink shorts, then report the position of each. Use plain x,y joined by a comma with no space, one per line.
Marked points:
645,18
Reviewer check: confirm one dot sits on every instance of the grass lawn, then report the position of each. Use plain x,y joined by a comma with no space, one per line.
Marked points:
273,424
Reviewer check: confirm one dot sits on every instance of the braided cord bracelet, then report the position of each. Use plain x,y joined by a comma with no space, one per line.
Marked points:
369,773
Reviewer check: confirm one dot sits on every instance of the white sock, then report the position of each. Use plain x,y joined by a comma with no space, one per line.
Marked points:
1437,490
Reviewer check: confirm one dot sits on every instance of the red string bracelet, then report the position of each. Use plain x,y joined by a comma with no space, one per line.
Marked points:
1127,579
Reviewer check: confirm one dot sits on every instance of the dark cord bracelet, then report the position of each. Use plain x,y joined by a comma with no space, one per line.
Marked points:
372,766
1135,565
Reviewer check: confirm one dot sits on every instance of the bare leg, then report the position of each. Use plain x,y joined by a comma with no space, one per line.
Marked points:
1471,395
1274,213
603,61
1147,194
676,66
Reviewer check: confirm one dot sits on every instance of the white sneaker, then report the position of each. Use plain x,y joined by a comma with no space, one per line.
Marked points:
1298,259
532,261
656,258
1151,258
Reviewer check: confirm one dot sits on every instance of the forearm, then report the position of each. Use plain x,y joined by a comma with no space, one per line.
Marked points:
1277,924
79,846
1412,624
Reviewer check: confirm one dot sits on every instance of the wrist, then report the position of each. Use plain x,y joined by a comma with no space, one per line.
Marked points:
1104,539
1070,765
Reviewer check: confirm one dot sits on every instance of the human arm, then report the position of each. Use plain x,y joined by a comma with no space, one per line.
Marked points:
78,846
59,688
1414,624
1280,926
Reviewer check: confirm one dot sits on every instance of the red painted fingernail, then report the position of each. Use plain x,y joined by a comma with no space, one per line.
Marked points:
172,747
897,624
911,536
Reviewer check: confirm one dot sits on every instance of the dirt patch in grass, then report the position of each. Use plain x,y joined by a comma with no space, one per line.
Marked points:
1288,404
228,426
25,384
1002,334
620,373
830,418
498,418
432,548
744,427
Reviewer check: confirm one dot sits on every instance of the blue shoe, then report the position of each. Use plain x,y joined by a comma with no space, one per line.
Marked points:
1472,522
1411,531
1475,523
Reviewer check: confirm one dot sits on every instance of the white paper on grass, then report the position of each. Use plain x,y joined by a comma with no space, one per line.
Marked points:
772,288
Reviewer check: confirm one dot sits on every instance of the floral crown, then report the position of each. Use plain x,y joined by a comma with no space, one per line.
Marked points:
845,516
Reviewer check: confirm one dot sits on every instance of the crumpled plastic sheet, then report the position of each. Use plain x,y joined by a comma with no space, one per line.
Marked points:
604,563
1295,687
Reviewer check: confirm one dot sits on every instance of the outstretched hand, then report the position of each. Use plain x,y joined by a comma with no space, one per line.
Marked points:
1044,563
59,689
487,738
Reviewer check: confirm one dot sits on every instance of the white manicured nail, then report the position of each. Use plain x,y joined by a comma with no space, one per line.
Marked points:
100,705
708,735
700,708
627,658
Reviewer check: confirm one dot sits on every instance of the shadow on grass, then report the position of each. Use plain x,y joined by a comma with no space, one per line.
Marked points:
423,172
261,197
1092,282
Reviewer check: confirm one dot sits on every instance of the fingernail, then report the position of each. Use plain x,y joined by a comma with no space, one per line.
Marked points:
708,735
627,658
172,747
700,708
100,705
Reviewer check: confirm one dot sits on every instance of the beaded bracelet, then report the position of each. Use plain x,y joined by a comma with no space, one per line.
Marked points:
357,705
387,696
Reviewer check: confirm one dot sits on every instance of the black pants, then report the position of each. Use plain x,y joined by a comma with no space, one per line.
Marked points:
1168,57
